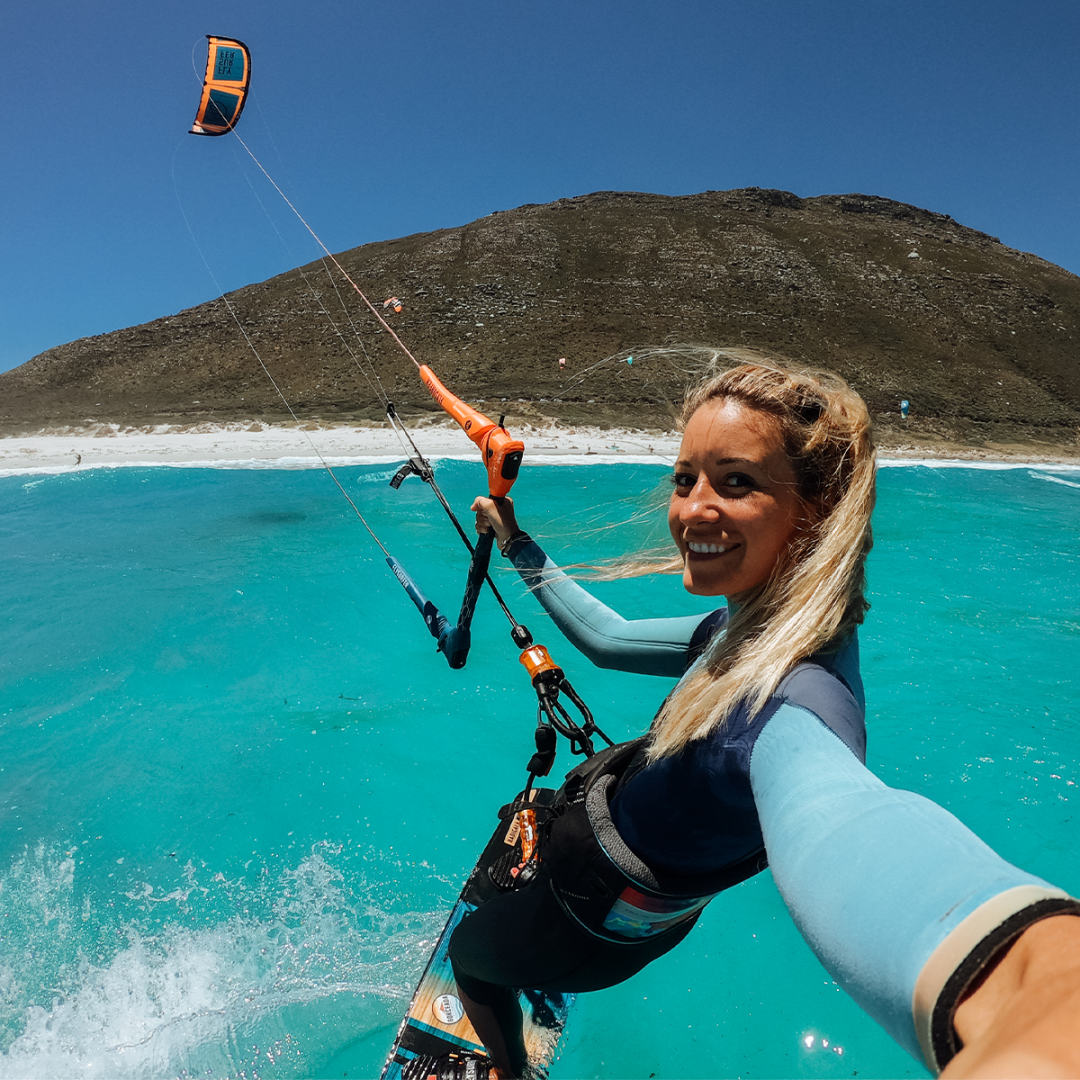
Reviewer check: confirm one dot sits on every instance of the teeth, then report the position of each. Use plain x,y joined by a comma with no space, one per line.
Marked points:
706,549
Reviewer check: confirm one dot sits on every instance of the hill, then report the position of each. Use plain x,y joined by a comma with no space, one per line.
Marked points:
905,303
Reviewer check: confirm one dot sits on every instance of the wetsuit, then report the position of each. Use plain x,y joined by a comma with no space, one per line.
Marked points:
692,812
687,816
919,905
905,922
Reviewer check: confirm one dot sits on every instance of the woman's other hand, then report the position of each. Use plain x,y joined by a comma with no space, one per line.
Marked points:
495,515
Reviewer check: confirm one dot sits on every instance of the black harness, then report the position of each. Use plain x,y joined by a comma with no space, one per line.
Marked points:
599,882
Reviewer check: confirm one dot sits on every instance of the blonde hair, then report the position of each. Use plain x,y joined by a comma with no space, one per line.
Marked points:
814,598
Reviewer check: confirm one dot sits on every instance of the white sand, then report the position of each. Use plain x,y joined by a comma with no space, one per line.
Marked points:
247,446
241,445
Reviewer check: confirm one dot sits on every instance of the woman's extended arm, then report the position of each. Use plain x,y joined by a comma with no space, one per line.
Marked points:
907,908
645,646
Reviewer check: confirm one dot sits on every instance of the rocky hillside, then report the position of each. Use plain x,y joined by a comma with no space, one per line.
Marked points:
905,303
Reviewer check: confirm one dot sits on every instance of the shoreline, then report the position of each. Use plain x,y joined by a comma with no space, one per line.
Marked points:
308,445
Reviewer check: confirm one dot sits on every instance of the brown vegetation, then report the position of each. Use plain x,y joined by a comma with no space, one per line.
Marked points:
905,303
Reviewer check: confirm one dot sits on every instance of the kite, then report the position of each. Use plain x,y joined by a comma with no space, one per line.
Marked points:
225,87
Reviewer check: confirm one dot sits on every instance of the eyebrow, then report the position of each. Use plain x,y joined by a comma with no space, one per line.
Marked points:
725,461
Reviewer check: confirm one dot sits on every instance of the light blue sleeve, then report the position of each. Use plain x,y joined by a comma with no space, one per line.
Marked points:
893,893
645,646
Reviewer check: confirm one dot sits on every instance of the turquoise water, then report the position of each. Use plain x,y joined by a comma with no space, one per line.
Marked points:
239,790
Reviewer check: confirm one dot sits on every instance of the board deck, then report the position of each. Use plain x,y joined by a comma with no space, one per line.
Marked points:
436,1023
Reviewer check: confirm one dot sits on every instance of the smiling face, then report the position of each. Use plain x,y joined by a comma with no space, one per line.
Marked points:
735,507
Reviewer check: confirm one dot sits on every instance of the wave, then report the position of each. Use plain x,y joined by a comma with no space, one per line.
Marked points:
959,463
545,459
1054,479
271,992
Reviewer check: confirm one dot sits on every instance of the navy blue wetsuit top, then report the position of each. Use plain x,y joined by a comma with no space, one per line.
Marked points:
693,812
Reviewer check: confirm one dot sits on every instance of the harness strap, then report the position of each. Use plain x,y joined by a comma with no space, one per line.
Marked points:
598,807
596,877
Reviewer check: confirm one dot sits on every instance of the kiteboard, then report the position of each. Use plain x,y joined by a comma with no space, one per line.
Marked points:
435,1024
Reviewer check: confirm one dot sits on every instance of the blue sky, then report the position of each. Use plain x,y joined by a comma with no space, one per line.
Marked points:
381,120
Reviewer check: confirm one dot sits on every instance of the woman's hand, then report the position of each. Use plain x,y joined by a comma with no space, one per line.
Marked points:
1021,1020
496,515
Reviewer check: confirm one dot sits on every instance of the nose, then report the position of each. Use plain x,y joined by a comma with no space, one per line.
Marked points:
701,505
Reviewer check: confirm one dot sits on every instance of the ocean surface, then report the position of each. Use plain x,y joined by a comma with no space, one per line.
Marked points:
239,790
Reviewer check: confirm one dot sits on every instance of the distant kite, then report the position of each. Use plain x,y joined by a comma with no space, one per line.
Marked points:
225,87
393,302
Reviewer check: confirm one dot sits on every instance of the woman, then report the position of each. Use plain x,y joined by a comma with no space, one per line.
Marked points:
771,503
970,963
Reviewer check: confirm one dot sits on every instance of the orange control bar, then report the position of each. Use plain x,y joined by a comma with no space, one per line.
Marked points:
502,453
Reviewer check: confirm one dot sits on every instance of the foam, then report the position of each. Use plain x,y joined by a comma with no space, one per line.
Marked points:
284,987
1055,479
337,462
666,460
962,463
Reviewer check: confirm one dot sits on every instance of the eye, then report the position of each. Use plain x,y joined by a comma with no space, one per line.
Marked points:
738,483
682,482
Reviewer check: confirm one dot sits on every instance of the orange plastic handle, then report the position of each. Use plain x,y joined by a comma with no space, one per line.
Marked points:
537,660
501,451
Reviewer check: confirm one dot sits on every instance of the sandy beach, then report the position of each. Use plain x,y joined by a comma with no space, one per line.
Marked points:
256,445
